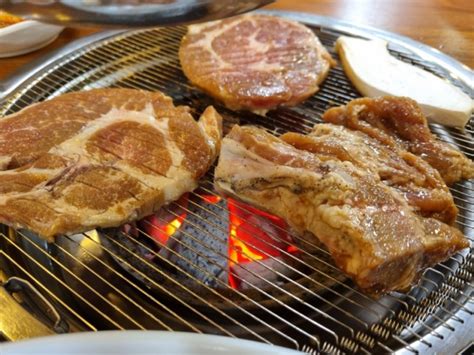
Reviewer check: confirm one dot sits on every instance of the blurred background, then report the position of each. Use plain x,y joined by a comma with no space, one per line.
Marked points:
446,25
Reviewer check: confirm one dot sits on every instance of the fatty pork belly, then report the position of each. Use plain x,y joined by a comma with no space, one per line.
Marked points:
368,227
399,121
101,158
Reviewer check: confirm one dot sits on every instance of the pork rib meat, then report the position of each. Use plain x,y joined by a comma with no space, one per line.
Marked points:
399,121
419,183
368,227
101,158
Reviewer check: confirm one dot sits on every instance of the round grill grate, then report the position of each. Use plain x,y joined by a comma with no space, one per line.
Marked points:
80,275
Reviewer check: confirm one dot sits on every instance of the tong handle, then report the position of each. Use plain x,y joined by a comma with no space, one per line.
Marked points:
17,284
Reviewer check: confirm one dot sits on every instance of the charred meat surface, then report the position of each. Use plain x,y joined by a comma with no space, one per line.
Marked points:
399,121
370,230
254,62
419,183
103,158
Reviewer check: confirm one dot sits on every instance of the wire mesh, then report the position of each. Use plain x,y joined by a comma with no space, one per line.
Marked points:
100,281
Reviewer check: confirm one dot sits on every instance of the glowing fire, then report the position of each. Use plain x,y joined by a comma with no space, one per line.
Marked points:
211,199
240,252
174,225
163,224
254,235
159,229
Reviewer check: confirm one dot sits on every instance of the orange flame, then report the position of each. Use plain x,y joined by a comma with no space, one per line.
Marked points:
240,252
160,230
211,199
248,238
174,225
160,225
254,235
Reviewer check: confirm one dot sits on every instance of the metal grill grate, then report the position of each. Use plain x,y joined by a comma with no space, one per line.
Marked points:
100,281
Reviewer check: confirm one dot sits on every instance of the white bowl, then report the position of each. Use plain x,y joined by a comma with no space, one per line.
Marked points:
26,36
140,342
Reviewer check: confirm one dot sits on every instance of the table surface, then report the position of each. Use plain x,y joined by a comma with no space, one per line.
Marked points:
447,25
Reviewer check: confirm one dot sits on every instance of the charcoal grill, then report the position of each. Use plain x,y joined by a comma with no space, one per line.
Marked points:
294,297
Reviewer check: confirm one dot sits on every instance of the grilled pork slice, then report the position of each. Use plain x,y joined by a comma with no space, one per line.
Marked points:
398,121
369,229
419,183
254,62
33,131
134,153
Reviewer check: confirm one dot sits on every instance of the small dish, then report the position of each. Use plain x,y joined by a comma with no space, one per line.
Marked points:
26,36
